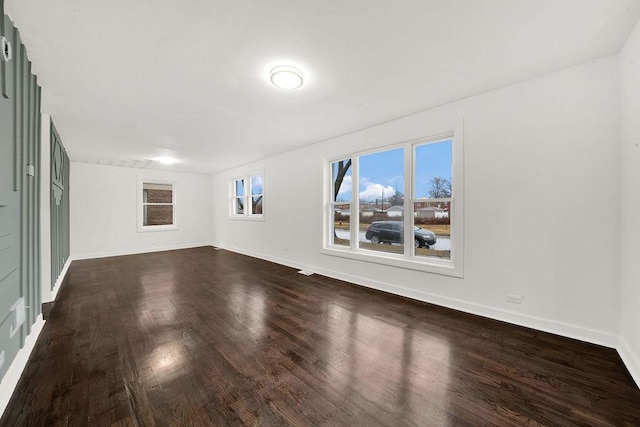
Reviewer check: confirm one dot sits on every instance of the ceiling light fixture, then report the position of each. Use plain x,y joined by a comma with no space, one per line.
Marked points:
286,77
165,160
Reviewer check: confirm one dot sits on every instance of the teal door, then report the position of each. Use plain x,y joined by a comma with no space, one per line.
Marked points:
20,278
10,206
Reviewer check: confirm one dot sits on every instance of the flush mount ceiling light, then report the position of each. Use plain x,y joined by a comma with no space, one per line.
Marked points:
286,77
165,160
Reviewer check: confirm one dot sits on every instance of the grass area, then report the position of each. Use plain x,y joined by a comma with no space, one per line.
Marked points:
396,249
439,229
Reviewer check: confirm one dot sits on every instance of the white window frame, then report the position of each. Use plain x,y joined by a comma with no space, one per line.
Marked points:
247,198
450,267
141,204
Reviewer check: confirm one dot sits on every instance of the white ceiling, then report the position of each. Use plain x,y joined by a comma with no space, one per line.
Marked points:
146,78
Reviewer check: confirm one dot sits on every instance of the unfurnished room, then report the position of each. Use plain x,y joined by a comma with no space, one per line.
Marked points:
333,213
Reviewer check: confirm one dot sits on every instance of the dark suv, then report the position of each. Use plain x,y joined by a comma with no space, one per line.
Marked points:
391,232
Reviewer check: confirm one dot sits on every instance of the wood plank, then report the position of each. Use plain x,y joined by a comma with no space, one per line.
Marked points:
208,337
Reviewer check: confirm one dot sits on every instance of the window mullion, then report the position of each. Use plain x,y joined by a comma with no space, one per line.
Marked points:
355,203
248,202
408,195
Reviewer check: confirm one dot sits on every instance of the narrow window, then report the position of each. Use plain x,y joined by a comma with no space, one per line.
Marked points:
256,195
238,199
340,206
433,202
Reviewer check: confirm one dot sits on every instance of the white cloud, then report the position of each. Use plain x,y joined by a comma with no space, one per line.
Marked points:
345,187
373,191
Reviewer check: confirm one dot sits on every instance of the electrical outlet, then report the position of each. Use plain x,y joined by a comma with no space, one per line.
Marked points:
18,311
515,299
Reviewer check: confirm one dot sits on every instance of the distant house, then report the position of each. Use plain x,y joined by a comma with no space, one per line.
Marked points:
395,211
432,212
367,212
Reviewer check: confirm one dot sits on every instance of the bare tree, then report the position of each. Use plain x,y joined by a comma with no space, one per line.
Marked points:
397,199
440,188
343,168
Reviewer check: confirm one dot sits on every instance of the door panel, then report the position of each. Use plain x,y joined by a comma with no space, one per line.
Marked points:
9,213
19,211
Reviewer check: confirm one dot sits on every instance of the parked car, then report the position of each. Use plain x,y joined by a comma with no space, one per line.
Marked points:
392,232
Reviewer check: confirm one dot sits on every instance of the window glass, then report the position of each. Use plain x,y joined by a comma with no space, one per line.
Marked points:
238,200
381,199
256,195
341,224
239,187
341,181
432,207
341,197
433,170
239,206
256,184
157,204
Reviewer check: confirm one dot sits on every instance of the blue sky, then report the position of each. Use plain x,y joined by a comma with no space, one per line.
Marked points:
384,171
256,185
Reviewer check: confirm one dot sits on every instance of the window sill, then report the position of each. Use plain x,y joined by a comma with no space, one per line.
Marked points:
144,229
248,218
431,265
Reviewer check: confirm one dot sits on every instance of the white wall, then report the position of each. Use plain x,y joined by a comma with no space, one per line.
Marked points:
545,151
104,211
630,200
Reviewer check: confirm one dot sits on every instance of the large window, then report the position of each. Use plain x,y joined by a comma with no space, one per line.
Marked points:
156,205
247,197
400,205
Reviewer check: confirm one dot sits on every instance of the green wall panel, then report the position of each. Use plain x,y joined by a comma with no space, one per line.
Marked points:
19,193
59,205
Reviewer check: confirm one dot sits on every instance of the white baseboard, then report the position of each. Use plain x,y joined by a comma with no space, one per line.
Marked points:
11,378
555,327
56,287
630,359
137,251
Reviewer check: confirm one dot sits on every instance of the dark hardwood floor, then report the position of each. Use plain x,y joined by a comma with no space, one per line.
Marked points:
206,337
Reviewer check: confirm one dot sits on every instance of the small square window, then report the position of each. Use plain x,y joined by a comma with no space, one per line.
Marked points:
156,205
247,198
